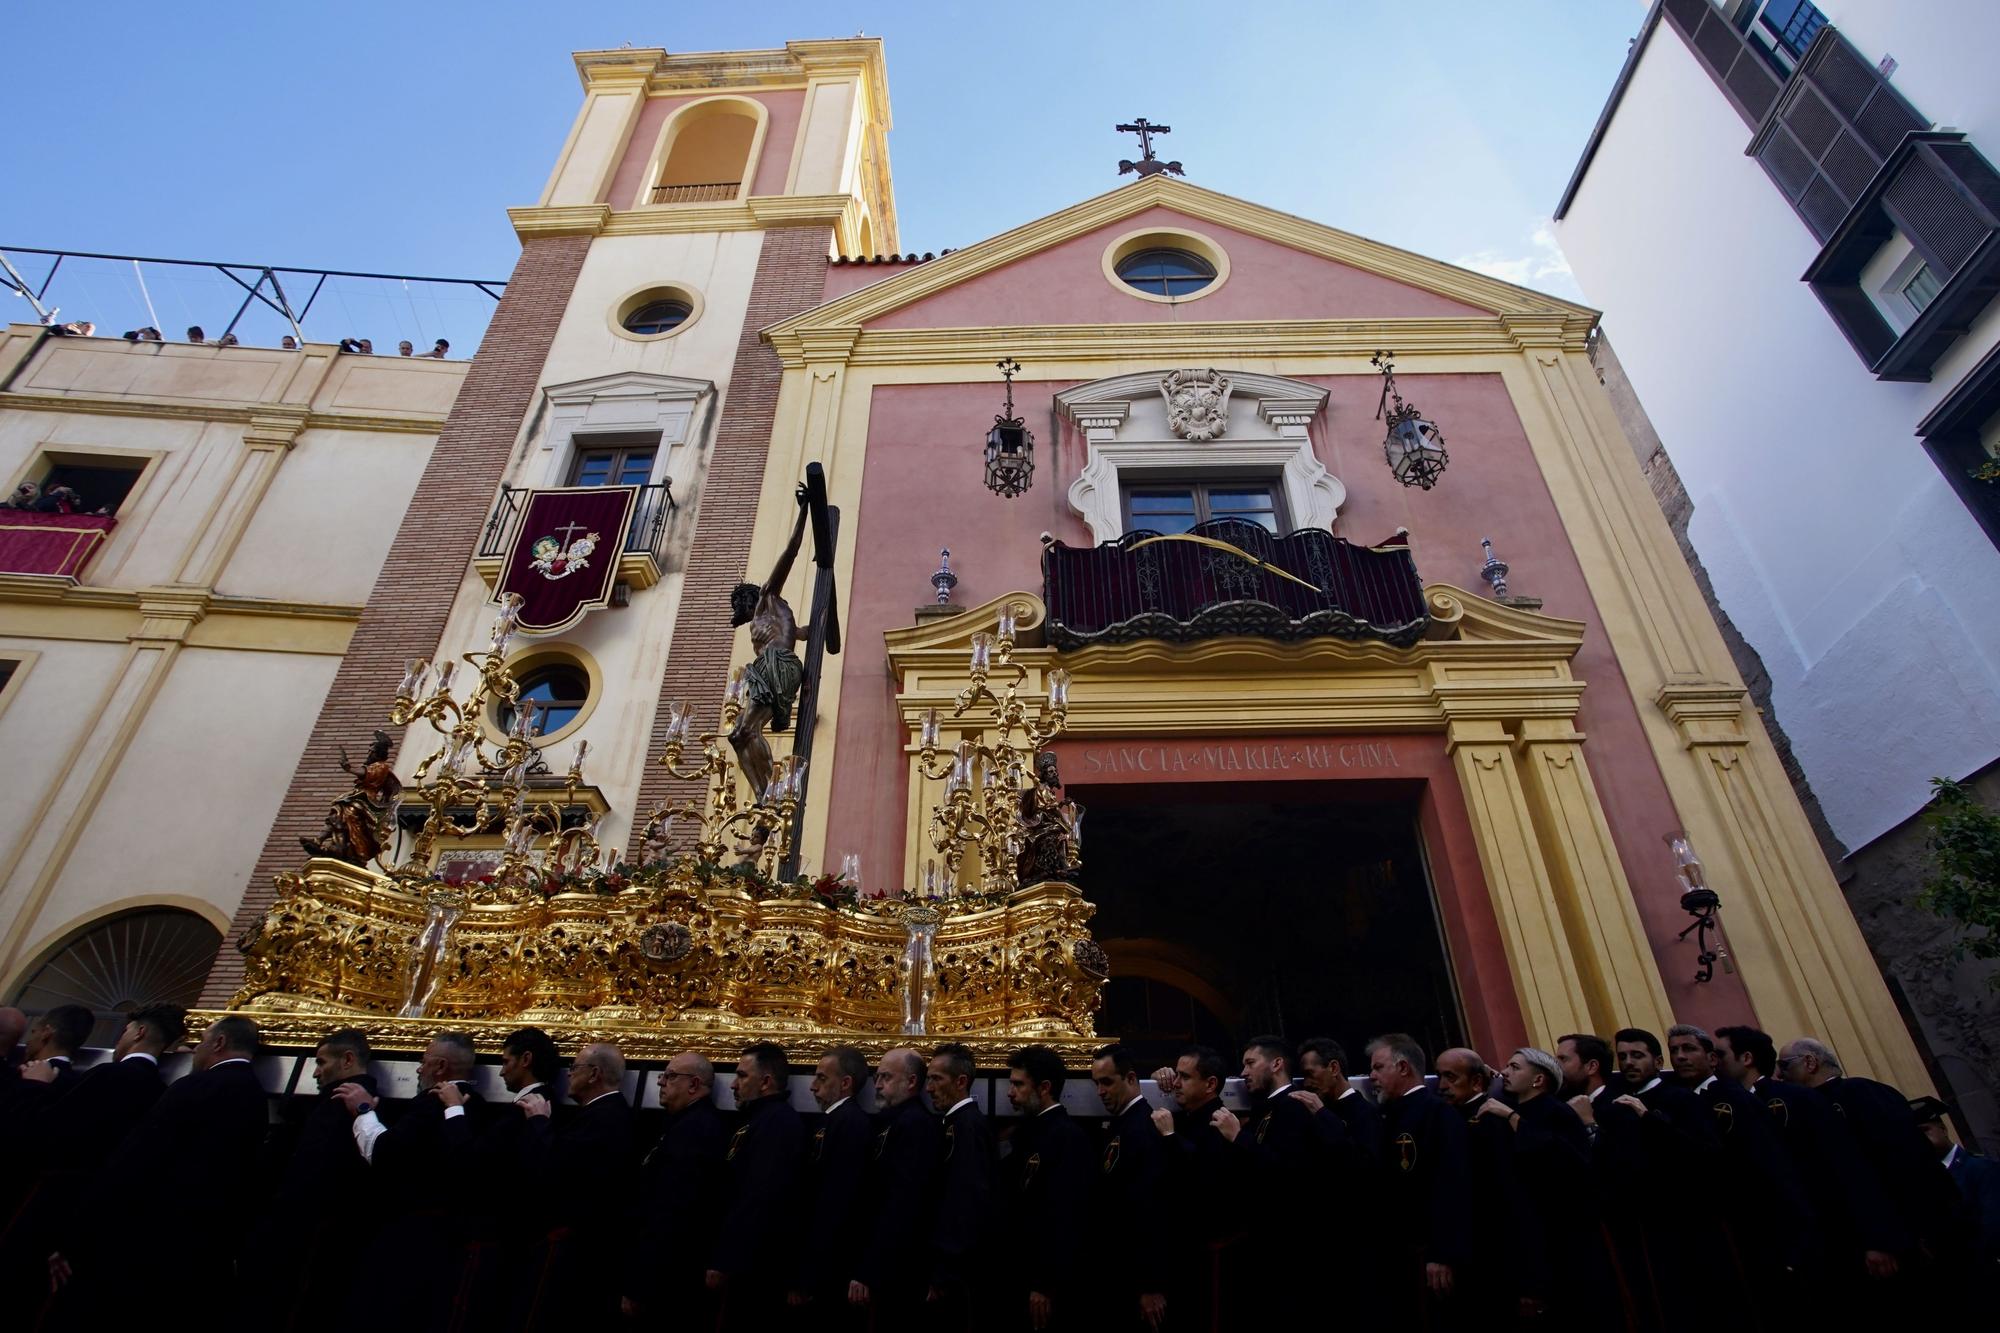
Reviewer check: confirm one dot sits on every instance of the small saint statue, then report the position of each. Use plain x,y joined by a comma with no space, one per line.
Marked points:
1052,827
771,680
358,824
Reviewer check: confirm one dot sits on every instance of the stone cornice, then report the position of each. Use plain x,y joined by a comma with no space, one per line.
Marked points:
1189,343
759,212
265,420
542,220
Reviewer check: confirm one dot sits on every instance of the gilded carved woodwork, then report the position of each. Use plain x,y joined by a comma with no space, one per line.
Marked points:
695,957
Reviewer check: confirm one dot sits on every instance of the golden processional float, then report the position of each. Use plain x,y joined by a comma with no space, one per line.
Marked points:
696,943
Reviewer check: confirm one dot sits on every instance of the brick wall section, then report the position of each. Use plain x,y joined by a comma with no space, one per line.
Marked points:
791,272
406,610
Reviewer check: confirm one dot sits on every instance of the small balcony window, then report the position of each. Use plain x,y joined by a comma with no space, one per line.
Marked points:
1173,507
620,466
1922,288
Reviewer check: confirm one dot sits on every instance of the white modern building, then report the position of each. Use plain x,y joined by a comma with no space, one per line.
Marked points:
1789,217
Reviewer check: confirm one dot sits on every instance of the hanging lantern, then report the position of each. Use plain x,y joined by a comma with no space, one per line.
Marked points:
1010,448
1700,901
1414,446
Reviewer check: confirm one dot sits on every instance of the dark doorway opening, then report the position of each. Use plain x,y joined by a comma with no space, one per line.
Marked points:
1227,913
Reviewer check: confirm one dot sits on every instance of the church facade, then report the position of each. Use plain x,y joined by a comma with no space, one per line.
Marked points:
1337,775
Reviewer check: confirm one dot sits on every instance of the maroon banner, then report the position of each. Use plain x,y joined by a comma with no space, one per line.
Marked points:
60,544
564,559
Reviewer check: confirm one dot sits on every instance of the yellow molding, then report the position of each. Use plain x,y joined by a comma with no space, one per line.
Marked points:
1476,289
1210,341
52,609
637,568
542,220
416,423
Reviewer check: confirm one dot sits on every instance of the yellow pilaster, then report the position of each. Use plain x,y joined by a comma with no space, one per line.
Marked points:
1593,896
1546,978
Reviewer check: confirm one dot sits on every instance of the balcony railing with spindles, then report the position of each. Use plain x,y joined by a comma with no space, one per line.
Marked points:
713,192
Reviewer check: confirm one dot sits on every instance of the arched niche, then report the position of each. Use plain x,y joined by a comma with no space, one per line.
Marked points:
123,961
707,153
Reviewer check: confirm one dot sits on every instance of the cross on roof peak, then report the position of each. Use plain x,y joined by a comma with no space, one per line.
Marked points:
1147,165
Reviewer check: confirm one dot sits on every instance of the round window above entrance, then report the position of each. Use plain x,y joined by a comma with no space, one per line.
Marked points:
658,317
1168,273
657,310
555,694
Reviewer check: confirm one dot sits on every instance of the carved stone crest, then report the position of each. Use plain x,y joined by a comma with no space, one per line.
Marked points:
1197,403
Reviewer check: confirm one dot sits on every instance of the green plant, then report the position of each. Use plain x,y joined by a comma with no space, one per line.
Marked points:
1964,887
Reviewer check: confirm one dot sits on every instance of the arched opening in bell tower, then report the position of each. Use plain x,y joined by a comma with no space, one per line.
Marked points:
710,146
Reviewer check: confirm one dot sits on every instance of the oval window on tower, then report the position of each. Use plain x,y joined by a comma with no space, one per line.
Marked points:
658,317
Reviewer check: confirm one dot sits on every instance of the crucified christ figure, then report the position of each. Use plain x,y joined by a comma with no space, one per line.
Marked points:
771,680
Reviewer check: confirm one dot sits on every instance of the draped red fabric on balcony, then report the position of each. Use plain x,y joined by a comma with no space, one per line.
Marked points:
58,544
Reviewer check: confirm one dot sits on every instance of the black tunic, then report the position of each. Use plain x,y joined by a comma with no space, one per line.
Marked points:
1046,1180
1128,1202
965,1198
754,1244
836,1158
1426,1154
899,1197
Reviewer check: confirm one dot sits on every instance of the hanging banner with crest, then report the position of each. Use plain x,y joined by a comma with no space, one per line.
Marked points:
564,559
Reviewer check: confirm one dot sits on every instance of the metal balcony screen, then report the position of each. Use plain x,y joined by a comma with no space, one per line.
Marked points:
1144,587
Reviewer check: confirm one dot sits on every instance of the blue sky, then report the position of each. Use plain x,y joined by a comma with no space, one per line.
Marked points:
392,137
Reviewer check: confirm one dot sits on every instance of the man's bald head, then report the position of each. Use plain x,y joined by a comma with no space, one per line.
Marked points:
13,1027
1462,1075
898,1075
599,1069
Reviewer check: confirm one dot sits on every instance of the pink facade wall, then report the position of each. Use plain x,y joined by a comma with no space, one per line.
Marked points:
1065,284
844,278
922,488
785,106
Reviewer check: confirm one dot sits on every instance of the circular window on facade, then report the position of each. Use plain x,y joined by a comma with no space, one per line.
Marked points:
553,695
1165,272
658,317
656,312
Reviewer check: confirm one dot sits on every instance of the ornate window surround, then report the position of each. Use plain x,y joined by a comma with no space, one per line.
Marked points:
1272,439
625,403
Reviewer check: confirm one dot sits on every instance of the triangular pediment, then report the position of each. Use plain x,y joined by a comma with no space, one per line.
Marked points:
1475,294
628,384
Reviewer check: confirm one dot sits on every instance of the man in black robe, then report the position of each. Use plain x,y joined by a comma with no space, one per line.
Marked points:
47,1069
585,1166
1425,1147
1045,1184
753,1261
898,1196
321,1211
1134,1276
680,1200
1201,1177
413,1257
74,1135
1908,1175
965,1189
1488,1286
186,1169
1678,1139
1859,1236
1600,1097
1323,1070
836,1158
505,1213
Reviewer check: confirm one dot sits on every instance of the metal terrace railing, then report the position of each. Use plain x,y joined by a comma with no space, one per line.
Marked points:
713,192
255,303
644,537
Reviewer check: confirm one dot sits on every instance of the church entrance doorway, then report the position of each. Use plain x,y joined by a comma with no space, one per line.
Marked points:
1228,910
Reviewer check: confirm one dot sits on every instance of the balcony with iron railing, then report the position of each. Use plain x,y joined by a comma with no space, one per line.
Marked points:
710,192
1229,578
640,561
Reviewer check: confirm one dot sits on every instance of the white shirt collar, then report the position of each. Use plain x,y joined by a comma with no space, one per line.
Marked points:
1651,1083
1050,1107
1950,1157
1347,1090
532,1087
600,1096
1703,1085
1126,1107
139,1055
1599,1088
232,1060
1407,1091
837,1105
962,1101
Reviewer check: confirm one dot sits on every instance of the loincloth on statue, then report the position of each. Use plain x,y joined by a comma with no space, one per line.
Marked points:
773,680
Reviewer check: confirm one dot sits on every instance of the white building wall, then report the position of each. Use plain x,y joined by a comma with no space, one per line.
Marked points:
1832,539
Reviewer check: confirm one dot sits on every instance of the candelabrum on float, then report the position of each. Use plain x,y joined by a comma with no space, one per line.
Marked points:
989,779
764,824
472,787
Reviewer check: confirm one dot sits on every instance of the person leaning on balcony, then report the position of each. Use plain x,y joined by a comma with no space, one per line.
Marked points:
404,348
195,335
438,350
25,496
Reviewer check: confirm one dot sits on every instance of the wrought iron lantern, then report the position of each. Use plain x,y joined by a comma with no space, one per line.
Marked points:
1010,447
1414,446
1699,901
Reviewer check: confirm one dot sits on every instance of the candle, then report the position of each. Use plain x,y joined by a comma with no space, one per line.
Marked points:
1007,623
407,688
1058,681
930,729
982,653
850,868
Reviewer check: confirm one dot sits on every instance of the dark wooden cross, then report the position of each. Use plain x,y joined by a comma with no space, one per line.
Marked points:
1147,165
822,637
569,531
